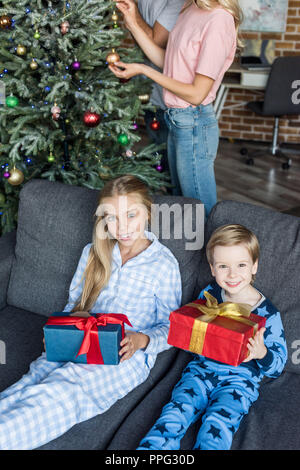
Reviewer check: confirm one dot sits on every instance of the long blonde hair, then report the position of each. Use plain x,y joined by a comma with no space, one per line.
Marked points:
98,269
232,6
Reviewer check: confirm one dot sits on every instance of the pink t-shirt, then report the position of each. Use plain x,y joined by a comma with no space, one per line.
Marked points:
204,42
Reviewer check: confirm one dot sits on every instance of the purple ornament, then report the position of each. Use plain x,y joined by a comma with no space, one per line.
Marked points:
135,126
6,174
158,167
76,65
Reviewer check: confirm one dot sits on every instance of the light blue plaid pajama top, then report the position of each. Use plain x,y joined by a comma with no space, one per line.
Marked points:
53,396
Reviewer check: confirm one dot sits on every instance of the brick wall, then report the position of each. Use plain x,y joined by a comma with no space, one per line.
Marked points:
241,123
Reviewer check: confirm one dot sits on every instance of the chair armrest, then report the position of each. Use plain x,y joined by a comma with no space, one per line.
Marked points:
7,251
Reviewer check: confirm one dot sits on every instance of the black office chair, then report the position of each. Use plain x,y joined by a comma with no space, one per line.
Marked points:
282,97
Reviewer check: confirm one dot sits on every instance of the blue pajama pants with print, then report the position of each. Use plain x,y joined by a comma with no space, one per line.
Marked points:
222,397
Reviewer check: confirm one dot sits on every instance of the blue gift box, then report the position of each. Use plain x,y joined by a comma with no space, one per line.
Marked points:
63,342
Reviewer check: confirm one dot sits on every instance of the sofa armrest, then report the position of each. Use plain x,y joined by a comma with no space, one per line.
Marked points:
7,251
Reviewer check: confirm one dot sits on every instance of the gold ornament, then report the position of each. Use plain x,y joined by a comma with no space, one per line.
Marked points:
114,16
5,22
112,57
21,50
16,177
33,64
144,98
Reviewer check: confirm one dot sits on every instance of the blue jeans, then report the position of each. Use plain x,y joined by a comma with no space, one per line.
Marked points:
192,148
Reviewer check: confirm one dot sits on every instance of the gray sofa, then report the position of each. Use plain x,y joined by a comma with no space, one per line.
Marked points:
37,264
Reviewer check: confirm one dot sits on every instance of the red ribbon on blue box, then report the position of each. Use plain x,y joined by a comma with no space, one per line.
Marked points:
90,343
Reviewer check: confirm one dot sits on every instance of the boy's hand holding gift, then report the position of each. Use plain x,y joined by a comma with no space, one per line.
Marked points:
256,346
218,331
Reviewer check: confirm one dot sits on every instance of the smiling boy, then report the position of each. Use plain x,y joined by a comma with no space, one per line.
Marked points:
218,393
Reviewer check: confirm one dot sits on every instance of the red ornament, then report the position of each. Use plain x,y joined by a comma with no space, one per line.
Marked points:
155,124
91,119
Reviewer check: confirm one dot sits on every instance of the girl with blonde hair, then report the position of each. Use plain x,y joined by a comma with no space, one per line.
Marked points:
124,270
201,47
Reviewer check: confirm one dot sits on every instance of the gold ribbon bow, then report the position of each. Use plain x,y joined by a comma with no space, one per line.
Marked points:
235,311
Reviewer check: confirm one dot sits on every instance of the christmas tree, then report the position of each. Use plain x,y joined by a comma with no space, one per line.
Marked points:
63,115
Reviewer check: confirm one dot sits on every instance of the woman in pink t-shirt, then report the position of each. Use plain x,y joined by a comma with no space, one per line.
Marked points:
201,47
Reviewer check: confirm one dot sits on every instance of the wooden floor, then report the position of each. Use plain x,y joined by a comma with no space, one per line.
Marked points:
265,183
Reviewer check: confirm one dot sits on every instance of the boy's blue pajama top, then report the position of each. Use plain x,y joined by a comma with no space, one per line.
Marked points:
53,396
219,393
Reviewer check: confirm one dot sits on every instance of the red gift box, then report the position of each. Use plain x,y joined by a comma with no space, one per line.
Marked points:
216,331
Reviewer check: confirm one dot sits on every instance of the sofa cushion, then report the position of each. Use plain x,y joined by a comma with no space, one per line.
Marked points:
22,334
55,222
273,420
178,222
278,275
7,252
